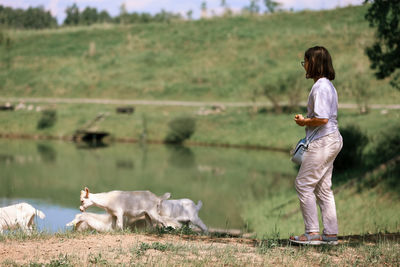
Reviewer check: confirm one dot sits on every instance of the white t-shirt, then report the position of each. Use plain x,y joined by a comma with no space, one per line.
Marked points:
323,104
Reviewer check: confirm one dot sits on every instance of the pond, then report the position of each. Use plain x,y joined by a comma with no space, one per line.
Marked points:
50,174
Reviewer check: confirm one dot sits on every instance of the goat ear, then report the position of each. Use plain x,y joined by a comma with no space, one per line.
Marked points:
87,192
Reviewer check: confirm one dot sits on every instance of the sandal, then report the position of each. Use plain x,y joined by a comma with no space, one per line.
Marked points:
311,240
330,240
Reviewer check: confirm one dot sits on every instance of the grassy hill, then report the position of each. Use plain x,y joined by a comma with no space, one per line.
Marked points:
228,58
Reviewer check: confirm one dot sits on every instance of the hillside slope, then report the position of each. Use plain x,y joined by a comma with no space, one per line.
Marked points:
231,58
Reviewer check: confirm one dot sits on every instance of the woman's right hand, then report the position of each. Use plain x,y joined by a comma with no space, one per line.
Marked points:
299,119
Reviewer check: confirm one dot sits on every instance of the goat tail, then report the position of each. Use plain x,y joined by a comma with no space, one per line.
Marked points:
40,214
72,223
199,205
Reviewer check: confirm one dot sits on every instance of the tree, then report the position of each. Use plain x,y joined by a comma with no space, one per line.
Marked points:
203,9
189,14
253,7
227,10
385,52
104,17
32,18
89,16
73,15
38,18
123,14
271,5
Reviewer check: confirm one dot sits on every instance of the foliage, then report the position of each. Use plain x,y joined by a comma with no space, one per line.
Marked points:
91,16
72,17
351,155
135,17
32,18
271,5
48,119
385,52
87,17
180,129
287,85
253,7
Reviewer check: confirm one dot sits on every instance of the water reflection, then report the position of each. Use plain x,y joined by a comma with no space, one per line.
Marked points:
223,179
6,159
242,189
89,144
214,170
124,164
181,156
46,152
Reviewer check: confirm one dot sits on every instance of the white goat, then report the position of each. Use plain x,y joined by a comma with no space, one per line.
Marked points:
88,221
133,204
103,222
182,211
20,215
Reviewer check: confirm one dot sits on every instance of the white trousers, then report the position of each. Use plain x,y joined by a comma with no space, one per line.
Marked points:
314,181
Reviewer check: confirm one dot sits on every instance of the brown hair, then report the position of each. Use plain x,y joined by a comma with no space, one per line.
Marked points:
319,63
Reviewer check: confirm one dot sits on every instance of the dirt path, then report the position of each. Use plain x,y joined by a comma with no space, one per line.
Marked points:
125,249
172,250
168,102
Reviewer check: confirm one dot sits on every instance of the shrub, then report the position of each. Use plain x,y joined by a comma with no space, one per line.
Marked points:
351,154
180,129
48,119
274,90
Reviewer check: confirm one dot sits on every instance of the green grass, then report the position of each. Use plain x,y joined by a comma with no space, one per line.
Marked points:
220,59
225,59
359,212
235,126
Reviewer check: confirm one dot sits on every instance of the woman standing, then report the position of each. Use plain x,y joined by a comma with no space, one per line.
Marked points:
313,182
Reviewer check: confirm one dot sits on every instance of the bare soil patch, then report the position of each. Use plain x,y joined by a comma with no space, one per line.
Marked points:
112,249
176,250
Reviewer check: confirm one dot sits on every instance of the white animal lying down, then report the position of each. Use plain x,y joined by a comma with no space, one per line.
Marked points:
88,221
182,211
20,215
173,213
132,204
102,222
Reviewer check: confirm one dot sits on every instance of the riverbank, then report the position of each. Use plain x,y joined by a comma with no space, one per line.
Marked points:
141,249
242,127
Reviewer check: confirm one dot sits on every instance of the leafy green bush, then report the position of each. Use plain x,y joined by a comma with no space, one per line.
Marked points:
275,90
351,154
180,129
48,119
